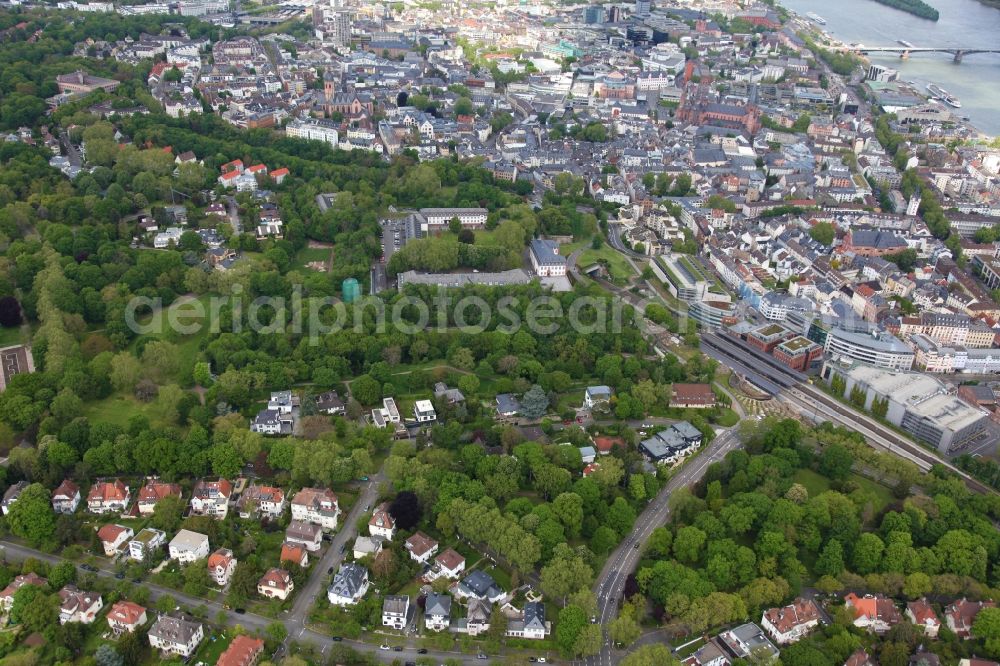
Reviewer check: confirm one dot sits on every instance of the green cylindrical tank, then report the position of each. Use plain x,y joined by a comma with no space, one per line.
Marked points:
351,290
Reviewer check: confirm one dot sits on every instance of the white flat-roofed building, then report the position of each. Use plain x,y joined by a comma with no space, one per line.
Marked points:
880,350
145,542
315,130
433,220
188,546
423,411
918,403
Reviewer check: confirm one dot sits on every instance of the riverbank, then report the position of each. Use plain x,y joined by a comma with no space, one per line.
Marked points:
966,24
918,8
835,49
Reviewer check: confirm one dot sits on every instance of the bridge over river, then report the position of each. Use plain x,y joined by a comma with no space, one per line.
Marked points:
957,52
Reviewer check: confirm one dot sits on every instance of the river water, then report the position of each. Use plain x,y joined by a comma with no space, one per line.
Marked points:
966,23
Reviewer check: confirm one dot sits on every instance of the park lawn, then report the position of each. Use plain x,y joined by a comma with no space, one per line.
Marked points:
618,266
118,408
11,336
188,346
816,483
310,254
727,417
501,576
213,646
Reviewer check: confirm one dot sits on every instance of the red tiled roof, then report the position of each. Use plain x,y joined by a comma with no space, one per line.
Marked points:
107,491
241,652
125,612
278,578
420,543
292,552
449,559
109,533
799,612
154,491
220,558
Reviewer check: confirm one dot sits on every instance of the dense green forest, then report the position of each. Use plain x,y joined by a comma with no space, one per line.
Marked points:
790,515
915,7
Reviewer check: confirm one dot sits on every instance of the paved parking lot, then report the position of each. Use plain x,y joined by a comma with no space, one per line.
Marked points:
395,234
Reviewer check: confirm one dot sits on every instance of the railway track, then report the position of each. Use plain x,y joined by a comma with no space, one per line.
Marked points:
779,380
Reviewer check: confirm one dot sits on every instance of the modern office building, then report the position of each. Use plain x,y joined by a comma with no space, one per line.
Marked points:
880,350
918,403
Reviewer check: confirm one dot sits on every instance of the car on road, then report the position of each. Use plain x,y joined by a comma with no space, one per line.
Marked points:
330,570
363,478
120,576
636,546
397,649
481,656
336,639
241,611
422,651
383,647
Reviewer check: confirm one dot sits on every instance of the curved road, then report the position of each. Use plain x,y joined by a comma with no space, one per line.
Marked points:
611,583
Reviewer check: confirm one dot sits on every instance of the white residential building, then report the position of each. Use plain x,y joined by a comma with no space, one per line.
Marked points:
145,543
789,624
423,411
221,565
318,506
114,537
178,635
275,584
188,546
381,523
66,497
437,612
349,585
395,610
545,258
421,547
315,130
306,534
75,605
265,501
211,498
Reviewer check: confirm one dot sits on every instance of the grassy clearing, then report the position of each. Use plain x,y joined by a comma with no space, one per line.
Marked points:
618,266
11,336
213,646
188,346
310,254
816,483
118,408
